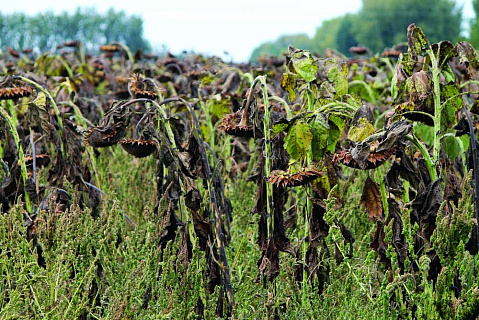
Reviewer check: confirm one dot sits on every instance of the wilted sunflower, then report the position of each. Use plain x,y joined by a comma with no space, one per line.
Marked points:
110,48
374,160
358,50
141,87
104,138
286,179
8,90
41,160
14,53
231,124
112,127
391,53
139,148
71,44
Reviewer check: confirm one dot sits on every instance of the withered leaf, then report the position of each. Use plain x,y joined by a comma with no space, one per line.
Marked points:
468,57
360,153
394,133
378,245
371,200
416,39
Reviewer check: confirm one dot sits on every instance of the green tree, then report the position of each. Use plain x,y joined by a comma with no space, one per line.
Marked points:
281,44
383,23
380,24
345,38
326,35
45,31
474,36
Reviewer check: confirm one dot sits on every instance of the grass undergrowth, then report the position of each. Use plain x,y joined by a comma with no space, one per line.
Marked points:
111,267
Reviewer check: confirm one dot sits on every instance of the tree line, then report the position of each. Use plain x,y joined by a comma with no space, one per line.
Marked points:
44,31
380,24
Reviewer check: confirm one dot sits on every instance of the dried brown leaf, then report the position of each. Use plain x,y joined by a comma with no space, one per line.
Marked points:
371,200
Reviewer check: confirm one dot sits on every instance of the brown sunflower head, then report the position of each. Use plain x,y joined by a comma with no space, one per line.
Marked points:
110,48
41,160
141,87
100,138
391,53
8,93
14,53
374,159
358,50
231,125
139,148
286,179
71,44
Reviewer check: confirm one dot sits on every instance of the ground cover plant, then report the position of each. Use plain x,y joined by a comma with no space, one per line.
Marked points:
139,187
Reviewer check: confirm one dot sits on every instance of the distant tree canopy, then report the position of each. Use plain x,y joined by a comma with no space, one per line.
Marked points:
46,30
278,46
474,37
383,23
380,24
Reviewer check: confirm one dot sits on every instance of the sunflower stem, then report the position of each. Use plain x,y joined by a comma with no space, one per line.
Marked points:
54,105
21,157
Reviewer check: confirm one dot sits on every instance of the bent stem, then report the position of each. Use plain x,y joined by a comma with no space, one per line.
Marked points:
431,167
437,103
21,157
163,115
287,108
53,103
126,49
66,66
244,118
220,238
267,150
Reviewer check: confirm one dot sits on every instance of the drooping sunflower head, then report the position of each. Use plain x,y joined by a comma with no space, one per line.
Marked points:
141,87
231,125
139,148
10,90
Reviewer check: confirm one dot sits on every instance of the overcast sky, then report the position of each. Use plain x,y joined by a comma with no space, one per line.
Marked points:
214,26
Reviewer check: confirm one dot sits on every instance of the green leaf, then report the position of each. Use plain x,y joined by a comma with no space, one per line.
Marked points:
283,124
425,133
205,130
219,107
336,127
289,83
448,74
361,130
338,75
452,147
207,79
298,140
416,39
41,100
280,127
320,128
449,93
303,64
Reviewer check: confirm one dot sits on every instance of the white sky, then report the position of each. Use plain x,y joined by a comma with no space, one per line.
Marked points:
214,26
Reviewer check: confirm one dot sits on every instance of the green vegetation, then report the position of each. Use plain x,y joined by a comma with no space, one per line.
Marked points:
377,25
46,30
146,188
